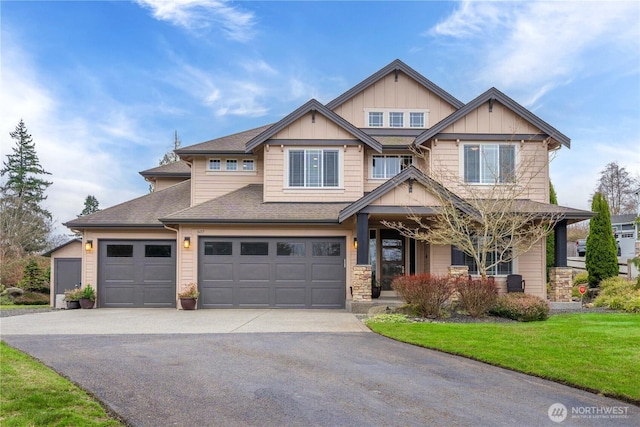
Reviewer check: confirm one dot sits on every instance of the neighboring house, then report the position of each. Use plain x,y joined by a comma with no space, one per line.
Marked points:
626,232
289,214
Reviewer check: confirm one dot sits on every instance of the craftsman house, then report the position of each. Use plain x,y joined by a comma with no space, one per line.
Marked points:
289,214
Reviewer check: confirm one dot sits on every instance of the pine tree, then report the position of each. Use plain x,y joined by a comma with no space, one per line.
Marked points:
601,259
90,206
24,223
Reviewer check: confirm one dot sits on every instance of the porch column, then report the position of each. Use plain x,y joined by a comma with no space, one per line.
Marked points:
560,241
362,234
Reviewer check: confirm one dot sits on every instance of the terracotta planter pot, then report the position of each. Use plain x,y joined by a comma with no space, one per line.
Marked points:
188,303
86,303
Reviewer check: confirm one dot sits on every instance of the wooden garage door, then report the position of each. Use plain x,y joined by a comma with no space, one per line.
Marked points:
137,273
271,272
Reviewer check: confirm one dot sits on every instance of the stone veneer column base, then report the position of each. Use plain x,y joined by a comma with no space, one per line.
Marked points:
361,283
561,284
457,271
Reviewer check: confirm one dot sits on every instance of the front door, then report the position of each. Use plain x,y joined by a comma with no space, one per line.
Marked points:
391,257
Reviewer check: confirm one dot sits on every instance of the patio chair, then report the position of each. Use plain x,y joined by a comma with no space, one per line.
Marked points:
515,283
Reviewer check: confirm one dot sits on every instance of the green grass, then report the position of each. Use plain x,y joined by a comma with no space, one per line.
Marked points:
599,352
33,395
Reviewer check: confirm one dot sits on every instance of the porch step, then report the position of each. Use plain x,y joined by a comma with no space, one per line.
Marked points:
363,307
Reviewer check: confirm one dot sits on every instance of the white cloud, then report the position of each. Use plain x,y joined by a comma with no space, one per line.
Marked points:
81,148
197,15
531,47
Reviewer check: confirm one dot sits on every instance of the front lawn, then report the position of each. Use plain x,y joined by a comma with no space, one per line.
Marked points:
599,352
33,395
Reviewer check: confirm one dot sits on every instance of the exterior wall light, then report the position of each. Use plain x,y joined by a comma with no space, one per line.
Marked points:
355,243
187,242
88,246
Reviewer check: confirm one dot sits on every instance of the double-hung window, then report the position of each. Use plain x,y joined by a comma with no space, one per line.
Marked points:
489,163
389,166
314,168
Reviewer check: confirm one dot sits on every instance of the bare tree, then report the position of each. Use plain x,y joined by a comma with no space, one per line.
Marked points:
617,185
492,222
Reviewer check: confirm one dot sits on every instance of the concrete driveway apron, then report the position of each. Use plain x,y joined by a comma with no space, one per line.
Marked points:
287,368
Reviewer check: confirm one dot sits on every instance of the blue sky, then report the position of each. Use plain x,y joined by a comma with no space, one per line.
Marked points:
103,85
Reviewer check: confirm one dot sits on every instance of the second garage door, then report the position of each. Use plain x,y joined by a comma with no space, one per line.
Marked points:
271,272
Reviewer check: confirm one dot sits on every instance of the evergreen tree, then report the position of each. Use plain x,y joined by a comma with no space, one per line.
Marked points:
33,277
601,258
24,223
551,246
90,206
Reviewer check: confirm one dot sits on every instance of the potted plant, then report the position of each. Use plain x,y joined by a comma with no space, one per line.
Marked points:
189,296
376,288
72,298
88,298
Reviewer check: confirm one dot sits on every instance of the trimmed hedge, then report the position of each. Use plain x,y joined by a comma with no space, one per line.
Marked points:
521,307
477,297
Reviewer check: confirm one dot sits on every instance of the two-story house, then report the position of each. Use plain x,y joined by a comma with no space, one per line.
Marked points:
289,214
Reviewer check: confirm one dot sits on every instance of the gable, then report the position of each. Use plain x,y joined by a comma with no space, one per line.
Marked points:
313,126
415,194
395,91
498,119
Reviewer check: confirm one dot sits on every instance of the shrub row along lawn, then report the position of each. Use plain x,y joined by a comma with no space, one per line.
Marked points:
33,395
599,352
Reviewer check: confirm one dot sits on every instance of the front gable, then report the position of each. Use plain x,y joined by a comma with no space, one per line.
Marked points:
312,126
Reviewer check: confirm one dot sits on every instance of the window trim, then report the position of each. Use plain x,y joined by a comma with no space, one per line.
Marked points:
286,172
240,162
406,117
495,144
251,162
211,161
400,155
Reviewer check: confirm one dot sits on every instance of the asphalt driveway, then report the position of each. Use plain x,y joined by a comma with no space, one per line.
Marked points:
267,378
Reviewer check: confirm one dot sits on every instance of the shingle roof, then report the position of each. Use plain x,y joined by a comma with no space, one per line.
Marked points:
623,219
246,206
526,205
178,169
141,212
227,144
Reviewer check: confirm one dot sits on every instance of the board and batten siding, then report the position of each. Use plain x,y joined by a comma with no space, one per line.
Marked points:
308,127
405,93
400,196
501,120
207,185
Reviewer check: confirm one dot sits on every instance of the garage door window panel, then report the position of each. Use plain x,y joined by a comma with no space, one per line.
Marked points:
326,249
119,251
218,248
294,249
254,248
157,251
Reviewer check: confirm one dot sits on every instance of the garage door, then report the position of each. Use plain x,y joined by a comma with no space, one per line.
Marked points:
137,273
272,272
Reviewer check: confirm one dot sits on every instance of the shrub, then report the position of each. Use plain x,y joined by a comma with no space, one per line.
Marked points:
33,277
32,298
521,307
581,278
601,259
426,293
477,296
618,293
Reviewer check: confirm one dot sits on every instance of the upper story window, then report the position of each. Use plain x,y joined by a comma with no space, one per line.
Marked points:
376,119
389,166
215,165
248,165
314,168
489,163
396,118
231,165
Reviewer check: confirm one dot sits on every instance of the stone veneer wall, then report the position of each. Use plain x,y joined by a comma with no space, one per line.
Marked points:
361,283
561,284
456,271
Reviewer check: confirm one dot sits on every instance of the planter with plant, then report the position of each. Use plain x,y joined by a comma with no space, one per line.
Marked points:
376,287
189,296
72,298
88,297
